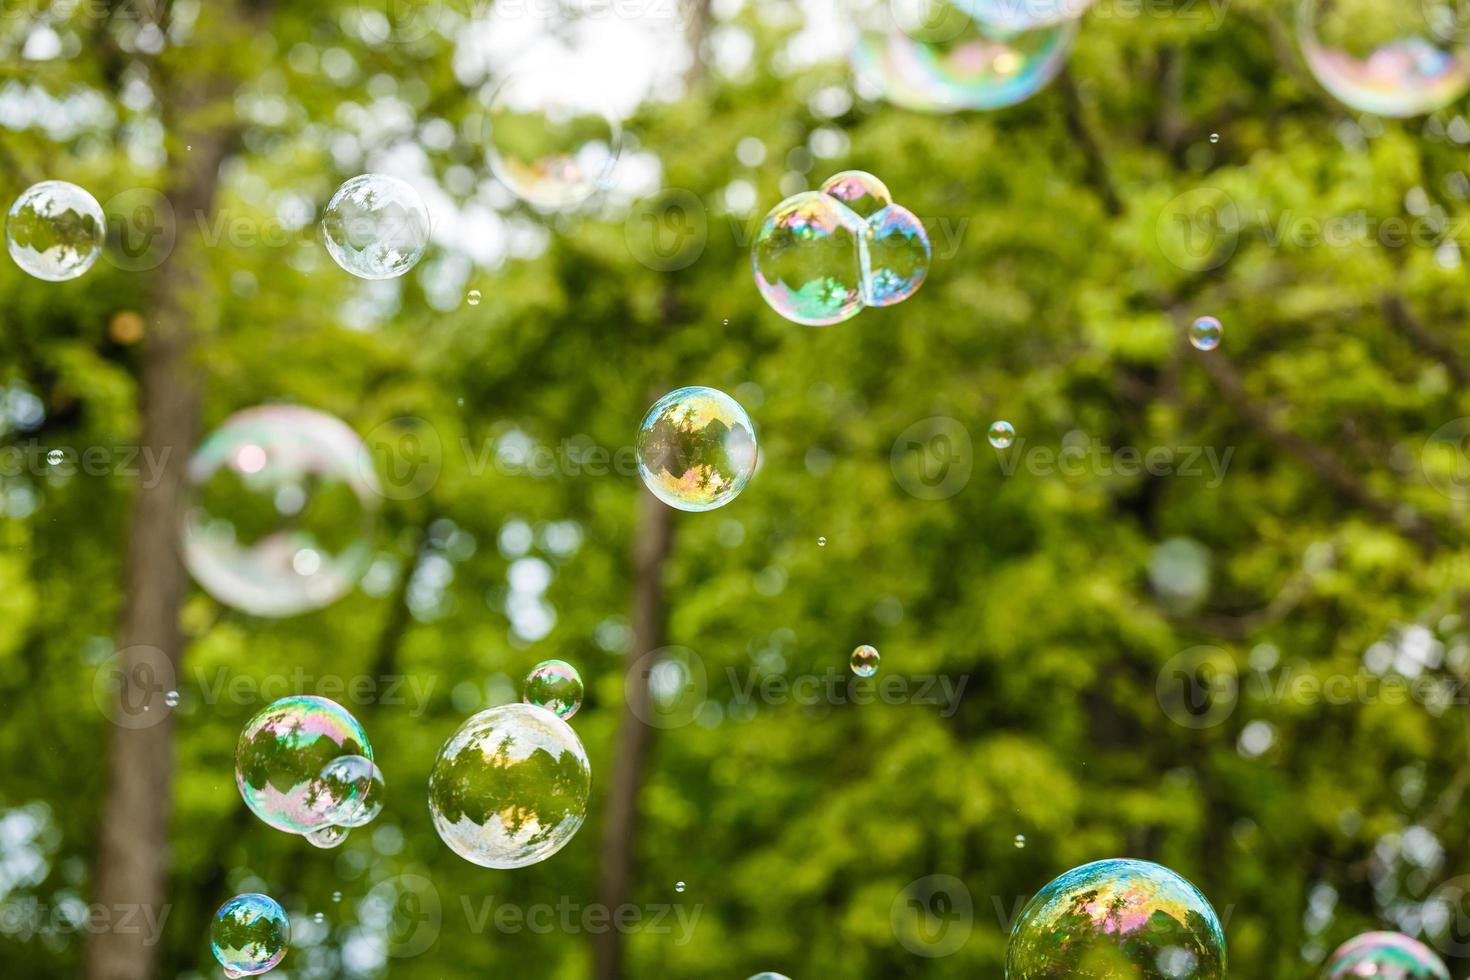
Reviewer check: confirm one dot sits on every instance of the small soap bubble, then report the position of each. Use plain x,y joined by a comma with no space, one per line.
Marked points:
696,449
821,542
319,917
473,298
1214,137
1020,841
171,699
554,685
1001,434
864,661
249,935
55,456
679,886
336,896
865,194
358,788
55,230
1206,333
376,226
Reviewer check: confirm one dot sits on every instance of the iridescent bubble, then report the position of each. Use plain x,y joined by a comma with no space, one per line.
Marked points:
510,787
1206,333
696,449
376,226
898,256
281,511
249,934
1386,57
864,661
473,297
55,230
1001,434
808,258
358,787
1114,919
283,764
556,686
865,194
1384,956
929,56
1020,15
1020,841
551,138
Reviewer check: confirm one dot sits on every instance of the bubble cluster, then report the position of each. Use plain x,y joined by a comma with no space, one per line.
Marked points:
303,765
1206,333
1117,918
550,139
1385,57
696,449
1001,434
55,230
281,510
249,935
376,226
556,686
864,661
510,787
1385,956
932,56
821,256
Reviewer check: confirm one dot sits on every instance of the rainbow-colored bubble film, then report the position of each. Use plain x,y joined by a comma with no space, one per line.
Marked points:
1021,15
376,226
282,501
696,449
1117,919
54,230
358,786
864,661
898,256
510,787
249,935
1382,56
556,686
549,140
1385,956
865,194
284,766
1206,332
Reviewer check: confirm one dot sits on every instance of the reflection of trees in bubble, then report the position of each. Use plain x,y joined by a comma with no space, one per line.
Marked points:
279,753
718,452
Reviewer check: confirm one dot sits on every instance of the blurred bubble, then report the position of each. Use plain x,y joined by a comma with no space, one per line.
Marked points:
510,787
696,449
1001,434
281,511
55,230
1386,956
550,138
1020,15
556,686
808,259
249,935
864,661
1206,333
376,226
1114,919
1386,57
1179,570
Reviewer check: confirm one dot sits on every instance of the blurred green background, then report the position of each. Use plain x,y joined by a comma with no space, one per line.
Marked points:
1064,598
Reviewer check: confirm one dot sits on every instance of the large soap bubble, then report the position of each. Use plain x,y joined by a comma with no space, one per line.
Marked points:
281,511
55,230
510,787
249,935
1396,58
376,226
1384,956
696,449
1117,918
550,137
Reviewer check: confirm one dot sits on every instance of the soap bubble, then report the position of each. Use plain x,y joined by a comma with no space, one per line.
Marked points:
928,56
1386,57
249,934
1020,15
1384,956
281,511
327,837
376,226
1117,918
696,449
1001,434
551,139
290,770
1020,841
1206,333
898,256
510,787
808,258
55,230
865,194
556,686
473,297
864,661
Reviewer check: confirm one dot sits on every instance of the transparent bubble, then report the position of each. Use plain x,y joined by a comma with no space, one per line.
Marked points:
696,449
1386,956
473,298
865,194
510,788
556,686
327,837
249,934
281,511
283,764
55,230
1117,918
551,138
679,886
1386,57
1214,137
1020,15
898,256
929,56
864,661
808,259
376,226
171,699
1206,333
821,542
358,787
1001,434
1020,841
